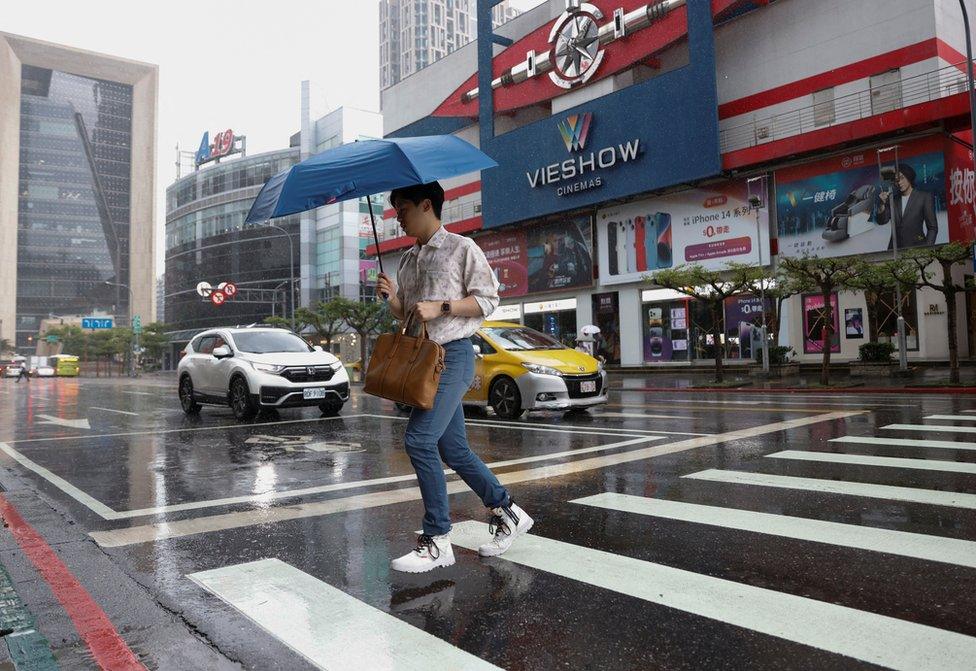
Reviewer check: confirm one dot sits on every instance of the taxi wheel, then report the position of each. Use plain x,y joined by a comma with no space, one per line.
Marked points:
505,399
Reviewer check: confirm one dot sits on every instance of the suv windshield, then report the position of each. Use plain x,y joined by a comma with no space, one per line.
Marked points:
521,339
265,342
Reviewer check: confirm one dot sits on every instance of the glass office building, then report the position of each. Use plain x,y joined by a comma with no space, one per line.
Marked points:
74,197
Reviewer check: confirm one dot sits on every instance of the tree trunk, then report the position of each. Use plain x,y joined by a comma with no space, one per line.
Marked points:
827,327
874,315
362,356
716,335
953,341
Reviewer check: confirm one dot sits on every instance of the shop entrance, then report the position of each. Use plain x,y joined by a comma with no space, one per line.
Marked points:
606,316
665,325
555,318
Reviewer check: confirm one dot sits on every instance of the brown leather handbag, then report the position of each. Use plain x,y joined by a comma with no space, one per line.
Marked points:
404,368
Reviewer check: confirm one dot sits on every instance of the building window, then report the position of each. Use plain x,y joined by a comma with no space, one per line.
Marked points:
824,113
883,313
886,91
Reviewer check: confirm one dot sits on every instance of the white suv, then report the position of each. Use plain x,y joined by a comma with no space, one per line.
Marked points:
250,369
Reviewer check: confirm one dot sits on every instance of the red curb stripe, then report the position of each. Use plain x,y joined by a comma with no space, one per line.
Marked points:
104,642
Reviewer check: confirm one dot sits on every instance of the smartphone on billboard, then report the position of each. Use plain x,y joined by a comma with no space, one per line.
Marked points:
612,248
639,237
664,256
631,247
621,247
650,241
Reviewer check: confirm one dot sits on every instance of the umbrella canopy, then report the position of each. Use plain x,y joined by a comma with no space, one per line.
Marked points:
365,168
590,330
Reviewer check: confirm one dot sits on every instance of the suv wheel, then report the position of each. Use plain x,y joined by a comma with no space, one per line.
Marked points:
189,405
241,402
505,399
331,407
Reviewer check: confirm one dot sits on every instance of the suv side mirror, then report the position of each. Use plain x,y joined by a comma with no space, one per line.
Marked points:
317,348
222,352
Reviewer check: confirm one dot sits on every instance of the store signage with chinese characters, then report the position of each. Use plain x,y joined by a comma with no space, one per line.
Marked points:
506,313
550,306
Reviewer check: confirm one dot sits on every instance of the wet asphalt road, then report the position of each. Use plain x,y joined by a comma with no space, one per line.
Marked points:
214,545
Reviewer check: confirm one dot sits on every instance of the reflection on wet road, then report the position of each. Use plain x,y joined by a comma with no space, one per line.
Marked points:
673,530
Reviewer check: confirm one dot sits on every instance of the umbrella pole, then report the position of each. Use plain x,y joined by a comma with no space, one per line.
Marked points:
376,238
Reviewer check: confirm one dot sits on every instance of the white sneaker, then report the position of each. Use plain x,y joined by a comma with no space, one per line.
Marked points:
431,552
506,524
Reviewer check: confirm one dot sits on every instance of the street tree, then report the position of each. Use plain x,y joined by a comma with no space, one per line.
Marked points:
154,340
710,287
366,318
814,274
777,292
278,322
326,317
878,279
5,345
73,338
946,256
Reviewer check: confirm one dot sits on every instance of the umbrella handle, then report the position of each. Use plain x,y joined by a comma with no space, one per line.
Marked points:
376,238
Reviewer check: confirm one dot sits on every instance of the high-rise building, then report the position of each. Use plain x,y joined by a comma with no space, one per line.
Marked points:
415,33
77,170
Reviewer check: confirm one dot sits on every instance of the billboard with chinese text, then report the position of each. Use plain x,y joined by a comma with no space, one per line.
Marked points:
710,227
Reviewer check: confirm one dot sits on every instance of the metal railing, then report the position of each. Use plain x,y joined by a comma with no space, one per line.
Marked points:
926,87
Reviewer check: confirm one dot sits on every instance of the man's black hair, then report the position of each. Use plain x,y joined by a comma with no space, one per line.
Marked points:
908,172
418,193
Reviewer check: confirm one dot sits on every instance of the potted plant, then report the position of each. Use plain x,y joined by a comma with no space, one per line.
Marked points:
875,359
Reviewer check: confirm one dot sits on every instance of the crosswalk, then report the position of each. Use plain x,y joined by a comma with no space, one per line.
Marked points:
329,620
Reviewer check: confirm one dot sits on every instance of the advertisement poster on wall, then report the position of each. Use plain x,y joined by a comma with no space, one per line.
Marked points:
813,324
853,324
535,259
962,190
710,227
840,206
743,324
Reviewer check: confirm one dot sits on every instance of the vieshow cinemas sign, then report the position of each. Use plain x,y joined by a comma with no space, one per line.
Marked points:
647,136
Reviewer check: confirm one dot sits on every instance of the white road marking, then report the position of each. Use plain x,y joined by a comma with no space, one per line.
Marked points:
872,638
930,427
225,427
909,494
640,415
326,626
905,442
953,418
906,544
156,532
121,412
523,426
71,423
887,462
90,502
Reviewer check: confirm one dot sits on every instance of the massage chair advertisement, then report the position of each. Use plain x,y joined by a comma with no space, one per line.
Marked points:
534,259
834,207
710,227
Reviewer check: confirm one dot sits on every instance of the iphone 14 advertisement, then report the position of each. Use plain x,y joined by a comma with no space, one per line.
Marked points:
640,244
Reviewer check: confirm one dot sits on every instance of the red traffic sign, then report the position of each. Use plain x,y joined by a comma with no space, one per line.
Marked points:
218,297
230,289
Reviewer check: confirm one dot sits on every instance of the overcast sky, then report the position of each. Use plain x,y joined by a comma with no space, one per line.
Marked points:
224,63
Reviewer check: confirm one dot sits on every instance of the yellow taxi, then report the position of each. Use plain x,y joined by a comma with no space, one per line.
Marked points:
519,369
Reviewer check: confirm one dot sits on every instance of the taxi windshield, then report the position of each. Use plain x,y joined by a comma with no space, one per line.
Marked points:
520,339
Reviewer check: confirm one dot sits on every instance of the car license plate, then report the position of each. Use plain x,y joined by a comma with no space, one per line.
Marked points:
314,392
588,386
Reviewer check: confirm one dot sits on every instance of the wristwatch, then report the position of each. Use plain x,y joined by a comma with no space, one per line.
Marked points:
446,308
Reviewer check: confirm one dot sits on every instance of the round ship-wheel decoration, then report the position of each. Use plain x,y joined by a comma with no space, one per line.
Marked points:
576,53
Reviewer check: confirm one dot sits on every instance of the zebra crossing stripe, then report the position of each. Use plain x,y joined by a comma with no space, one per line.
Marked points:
328,627
930,427
869,637
904,442
866,460
953,418
908,494
906,544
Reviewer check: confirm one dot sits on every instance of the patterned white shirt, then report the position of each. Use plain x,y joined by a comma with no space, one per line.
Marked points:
448,268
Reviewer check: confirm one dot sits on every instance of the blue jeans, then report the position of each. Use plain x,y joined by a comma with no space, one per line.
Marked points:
439,433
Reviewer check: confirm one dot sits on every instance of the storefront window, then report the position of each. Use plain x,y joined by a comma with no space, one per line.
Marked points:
887,316
559,325
665,325
702,335
606,316
743,324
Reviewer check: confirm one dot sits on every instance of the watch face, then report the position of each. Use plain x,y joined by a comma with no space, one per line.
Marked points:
445,307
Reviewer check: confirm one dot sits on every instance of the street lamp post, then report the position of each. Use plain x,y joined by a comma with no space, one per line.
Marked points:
291,270
134,343
902,336
757,202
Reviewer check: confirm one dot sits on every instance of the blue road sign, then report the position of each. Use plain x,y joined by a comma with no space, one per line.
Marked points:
96,323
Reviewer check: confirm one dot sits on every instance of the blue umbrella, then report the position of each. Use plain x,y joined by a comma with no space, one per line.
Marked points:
365,168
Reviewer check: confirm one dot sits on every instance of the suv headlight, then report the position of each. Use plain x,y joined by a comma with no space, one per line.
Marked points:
267,367
336,366
541,370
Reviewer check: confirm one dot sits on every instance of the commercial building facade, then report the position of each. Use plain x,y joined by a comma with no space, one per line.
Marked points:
77,171
644,154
